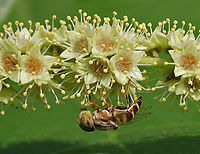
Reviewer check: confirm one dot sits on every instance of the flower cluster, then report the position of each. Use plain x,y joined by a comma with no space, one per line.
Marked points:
87,57
181,77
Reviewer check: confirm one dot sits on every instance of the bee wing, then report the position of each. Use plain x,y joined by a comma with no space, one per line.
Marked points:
144,112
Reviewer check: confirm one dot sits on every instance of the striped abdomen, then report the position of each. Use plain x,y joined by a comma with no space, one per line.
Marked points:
125,115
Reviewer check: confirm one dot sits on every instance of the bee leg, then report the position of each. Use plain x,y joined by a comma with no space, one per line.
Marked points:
107,106
114,125
89,98
119,107
129,101
83,109
95,106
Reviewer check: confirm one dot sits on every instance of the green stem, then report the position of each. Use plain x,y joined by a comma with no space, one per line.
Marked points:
156,62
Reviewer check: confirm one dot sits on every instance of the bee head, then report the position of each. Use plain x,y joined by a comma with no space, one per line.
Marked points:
85,121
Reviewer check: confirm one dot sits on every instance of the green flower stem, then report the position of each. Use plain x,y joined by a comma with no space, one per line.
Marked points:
156,62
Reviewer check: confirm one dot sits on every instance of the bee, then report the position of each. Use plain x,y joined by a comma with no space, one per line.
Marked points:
109,118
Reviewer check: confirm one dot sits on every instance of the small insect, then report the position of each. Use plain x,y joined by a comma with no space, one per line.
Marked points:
109,118
169,77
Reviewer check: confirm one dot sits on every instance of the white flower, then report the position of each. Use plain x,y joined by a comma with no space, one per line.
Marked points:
189,86
80,46
124,65
186,61
177,39
35,66
23,41
106,41
9,61
95,70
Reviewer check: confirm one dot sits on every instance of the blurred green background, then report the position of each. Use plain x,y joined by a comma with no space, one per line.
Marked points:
56,131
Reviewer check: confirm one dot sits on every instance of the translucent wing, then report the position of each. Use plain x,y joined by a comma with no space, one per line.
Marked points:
144,112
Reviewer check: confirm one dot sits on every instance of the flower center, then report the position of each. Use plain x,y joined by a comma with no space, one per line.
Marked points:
193,83
99,66
124,63
81,45
105,44
34,65
9,62
189,62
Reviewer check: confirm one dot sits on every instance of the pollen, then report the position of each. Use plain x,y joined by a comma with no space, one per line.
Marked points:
34,65
81,45
9,62
105,44
124,64
189,62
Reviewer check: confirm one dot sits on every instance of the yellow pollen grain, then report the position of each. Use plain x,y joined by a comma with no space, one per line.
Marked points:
121,58
2,112
65,97
173,87
194,97
123,91
183,91
62,92
62,76
155,63
72,96
78,95
25,94
78,81
191,90
105,70
89,91
125,72
113,81
166,63
11,99
7,85
41,95
153,89
104,92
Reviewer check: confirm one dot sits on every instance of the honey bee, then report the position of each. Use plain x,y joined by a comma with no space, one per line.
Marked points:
109,118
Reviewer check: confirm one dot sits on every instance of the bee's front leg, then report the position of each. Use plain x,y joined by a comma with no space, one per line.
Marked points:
119,107
83,109
95,106
106,106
